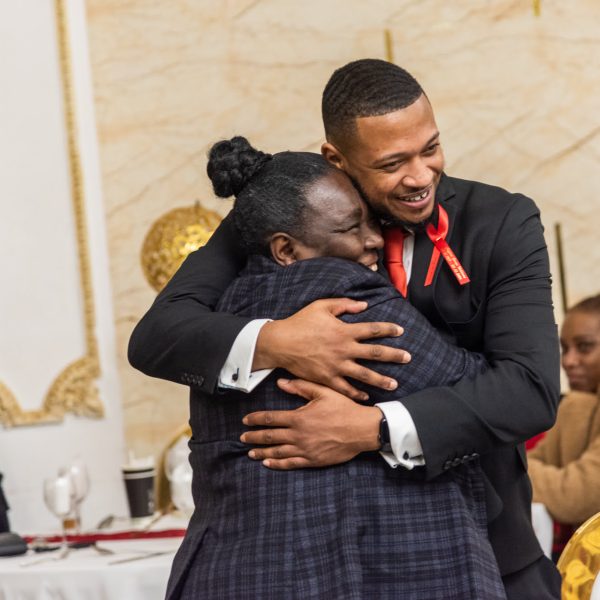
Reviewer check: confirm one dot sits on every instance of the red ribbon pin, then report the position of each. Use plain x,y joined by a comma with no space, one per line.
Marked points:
438,238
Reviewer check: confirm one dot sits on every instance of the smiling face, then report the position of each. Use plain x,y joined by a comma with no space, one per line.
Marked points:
338,223
580,344
396,160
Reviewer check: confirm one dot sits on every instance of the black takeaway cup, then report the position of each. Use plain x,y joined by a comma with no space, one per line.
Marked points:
139,476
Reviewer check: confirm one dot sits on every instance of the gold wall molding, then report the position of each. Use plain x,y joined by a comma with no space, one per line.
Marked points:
74,389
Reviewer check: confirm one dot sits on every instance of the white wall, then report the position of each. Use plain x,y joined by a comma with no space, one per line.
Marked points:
41,305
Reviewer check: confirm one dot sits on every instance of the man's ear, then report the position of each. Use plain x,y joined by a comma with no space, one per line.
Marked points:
332,155
283,249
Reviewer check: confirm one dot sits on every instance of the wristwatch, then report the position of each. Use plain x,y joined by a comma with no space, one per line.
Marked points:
384,436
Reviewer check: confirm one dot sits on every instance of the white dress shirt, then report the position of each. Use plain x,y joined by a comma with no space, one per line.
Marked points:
237,374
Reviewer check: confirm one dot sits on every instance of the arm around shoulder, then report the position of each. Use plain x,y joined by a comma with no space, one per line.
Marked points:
518,395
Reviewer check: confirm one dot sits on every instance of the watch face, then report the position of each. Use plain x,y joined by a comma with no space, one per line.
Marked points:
384,434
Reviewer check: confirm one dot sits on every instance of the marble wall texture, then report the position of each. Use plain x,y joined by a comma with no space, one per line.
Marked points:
515,94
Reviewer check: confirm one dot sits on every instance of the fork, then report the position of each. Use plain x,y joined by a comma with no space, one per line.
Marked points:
64,552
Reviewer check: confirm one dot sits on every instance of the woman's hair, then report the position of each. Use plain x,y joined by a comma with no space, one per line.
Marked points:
270,190
587,305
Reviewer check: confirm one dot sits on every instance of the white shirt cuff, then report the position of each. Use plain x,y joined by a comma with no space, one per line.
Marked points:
236,372
406,451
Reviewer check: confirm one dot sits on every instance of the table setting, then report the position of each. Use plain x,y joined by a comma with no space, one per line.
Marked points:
122,556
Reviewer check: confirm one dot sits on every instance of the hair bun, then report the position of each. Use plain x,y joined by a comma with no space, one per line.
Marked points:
232,163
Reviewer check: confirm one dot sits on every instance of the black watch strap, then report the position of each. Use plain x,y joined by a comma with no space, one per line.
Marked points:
384,435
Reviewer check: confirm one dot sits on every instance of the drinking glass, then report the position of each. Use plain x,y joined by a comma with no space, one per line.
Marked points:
59,497
78,473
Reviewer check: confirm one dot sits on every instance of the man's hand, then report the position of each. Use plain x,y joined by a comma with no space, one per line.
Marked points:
315,345
328,430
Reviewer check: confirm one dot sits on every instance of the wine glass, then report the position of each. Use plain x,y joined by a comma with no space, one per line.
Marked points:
179,474
177,454
78,473
181,489
59,497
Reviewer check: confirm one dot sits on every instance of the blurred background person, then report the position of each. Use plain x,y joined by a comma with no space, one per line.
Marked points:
564,466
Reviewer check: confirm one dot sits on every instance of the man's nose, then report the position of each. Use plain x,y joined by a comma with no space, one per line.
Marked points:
418,174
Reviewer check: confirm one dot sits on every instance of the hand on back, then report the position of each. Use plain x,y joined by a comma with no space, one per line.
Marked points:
315,345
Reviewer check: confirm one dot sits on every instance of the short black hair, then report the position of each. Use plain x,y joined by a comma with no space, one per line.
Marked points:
270,190
365,88
587,305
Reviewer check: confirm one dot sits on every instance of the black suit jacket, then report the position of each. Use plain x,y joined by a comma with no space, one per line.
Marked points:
505,312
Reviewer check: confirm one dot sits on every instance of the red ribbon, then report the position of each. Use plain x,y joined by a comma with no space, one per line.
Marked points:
438,237
117,535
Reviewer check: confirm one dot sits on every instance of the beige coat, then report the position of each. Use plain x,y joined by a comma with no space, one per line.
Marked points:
565,466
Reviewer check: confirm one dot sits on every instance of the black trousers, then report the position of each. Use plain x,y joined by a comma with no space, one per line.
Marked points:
538,581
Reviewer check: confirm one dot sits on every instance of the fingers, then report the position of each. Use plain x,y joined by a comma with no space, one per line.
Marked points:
288,464
267,437
271,418
366,331
370,377
313,391
339,306
341,385
281,458
277,452
300,387
381,353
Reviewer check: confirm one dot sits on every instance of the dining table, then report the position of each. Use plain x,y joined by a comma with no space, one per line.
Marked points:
128,561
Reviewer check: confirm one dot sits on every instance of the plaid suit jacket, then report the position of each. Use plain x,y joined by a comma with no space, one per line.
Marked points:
353,531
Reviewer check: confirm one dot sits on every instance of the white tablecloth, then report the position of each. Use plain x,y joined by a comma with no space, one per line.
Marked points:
87,575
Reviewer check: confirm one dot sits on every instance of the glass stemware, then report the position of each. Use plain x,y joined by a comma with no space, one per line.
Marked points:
78,473
181,489
59,497
179,473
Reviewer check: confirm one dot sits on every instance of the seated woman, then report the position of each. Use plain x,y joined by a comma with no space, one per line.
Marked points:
565,466
356,530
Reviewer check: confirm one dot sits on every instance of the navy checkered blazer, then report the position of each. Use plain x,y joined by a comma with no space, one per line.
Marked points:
353,531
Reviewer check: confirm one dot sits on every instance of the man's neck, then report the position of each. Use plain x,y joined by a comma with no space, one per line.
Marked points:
412,228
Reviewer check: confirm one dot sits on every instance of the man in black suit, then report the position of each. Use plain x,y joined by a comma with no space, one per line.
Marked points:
477,267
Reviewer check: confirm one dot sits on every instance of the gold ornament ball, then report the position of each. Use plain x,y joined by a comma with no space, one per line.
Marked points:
579,562
171,238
